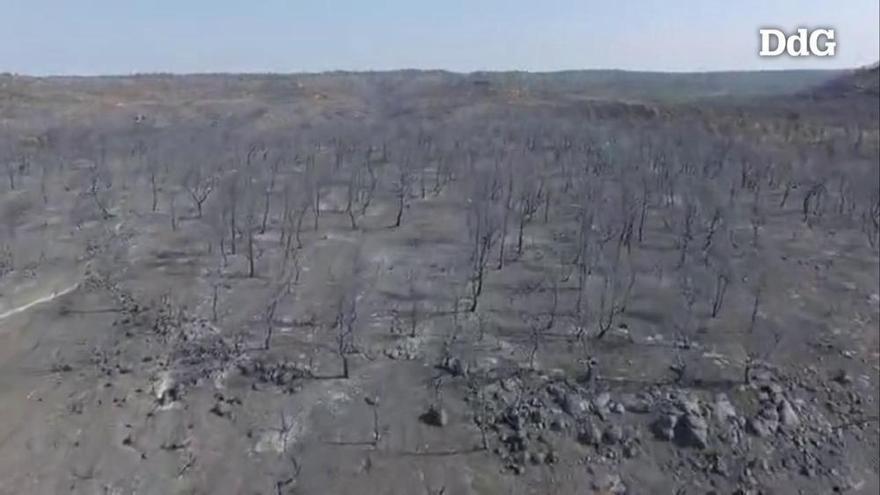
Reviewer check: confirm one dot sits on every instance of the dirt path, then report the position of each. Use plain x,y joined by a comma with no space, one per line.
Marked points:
41,300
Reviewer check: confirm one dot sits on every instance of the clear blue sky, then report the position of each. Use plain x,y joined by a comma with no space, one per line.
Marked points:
125,36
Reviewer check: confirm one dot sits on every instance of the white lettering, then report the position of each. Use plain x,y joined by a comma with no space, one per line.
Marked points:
801,43
828,35
797,44
765,42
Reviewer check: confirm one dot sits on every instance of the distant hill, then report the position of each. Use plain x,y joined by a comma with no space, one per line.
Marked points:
836,98
598,84
663,86
864,81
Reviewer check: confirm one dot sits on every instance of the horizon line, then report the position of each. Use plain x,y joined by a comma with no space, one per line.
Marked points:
424,70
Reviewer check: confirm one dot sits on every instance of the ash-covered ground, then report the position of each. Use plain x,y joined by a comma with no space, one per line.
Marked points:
425,282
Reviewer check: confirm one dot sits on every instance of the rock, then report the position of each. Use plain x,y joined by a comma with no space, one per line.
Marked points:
849,484
436,416
405,349
575,405
770,395
774,392
612,435
555,392
501,395
517,442
618,408
639,404
842,377
664,427
222,409
691,430
601,401
537,457
723,409
510,384
762,375
631,450
515,419
455,366
787,416
719,466
285,377
764,424
536,416
609,484
169,395
688,405
590,434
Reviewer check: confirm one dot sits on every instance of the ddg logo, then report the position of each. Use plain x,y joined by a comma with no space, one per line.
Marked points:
802,43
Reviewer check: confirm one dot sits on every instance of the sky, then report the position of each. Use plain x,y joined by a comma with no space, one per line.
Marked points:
87,37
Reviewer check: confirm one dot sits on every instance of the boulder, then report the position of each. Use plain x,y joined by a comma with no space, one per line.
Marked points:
537,457
842,377
436,416
664,426
764,424
723,409
691,430
589,434
575,405
639,404
608,483
787,415
222,409
612,435
455,366
688,405
600,402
